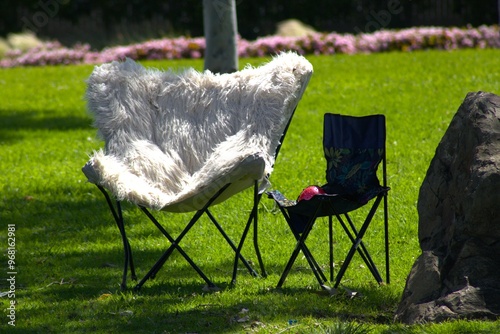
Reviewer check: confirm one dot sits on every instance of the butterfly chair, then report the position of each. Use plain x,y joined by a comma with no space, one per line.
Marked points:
354,147
183,142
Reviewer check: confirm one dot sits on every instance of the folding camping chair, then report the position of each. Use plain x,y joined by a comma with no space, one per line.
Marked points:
183,142
354,147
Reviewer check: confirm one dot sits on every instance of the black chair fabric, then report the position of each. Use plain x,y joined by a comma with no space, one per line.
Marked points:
354,149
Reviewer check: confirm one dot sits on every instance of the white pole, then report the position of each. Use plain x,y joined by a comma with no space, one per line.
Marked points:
221,52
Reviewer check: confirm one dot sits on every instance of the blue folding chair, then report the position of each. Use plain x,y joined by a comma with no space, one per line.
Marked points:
354,148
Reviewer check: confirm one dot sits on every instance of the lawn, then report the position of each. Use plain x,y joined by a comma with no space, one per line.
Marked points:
68,252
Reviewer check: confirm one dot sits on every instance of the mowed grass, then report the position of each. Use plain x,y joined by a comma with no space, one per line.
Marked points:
69,253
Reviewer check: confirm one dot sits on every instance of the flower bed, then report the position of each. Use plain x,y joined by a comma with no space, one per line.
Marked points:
422,38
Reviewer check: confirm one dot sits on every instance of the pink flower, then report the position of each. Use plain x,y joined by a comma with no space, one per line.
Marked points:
418,38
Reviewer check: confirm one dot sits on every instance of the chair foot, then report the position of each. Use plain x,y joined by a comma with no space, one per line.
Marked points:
211,287
330,290
254,273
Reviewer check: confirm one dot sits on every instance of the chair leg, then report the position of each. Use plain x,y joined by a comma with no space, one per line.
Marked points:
357,242
252,218
386,233
300,245
330,242
231,243
257,198
238,250
363,252
118,216
175,242
315,267
126,246
174,245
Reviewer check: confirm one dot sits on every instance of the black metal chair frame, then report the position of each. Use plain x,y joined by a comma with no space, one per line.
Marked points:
116,211
354,235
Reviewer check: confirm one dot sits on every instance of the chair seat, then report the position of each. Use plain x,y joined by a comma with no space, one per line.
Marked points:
240,173
327,205
173,140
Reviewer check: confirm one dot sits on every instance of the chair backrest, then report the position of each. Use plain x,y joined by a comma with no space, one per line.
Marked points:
354,147
173,139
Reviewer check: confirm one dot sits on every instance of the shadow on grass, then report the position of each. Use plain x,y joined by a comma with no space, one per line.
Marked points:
83,233
12,120
181,307
71,261
178,304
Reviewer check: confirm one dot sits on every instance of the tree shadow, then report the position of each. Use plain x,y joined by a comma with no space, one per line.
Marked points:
13,121
81,277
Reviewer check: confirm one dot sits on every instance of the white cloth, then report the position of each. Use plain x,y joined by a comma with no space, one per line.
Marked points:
172,140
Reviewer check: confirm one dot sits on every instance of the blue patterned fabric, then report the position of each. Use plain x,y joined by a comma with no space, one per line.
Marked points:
351,173
354,147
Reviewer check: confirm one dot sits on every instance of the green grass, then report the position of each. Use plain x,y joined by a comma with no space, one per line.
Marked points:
69,253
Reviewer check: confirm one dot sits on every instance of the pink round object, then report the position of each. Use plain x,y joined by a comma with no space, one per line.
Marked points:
310,192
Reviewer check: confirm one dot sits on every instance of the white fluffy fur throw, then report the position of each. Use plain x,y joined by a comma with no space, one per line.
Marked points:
174,139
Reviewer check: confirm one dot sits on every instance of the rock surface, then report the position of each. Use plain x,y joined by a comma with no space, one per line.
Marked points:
293,28
457,276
